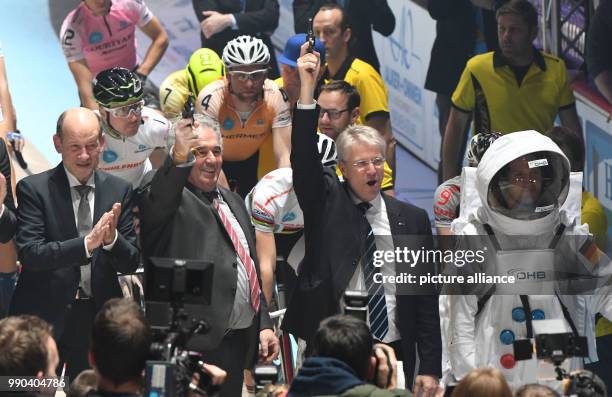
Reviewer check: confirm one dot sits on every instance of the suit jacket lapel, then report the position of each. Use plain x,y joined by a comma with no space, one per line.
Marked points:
100,205
61,197
396,222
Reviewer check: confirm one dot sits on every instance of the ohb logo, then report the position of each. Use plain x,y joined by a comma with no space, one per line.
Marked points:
520,274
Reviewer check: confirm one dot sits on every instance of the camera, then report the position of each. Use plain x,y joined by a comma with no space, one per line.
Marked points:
356,304
176,291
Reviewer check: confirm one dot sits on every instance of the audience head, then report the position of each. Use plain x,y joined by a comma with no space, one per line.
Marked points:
119,94
483,382
27,348
331,26
208,154
85,382
203,68
79,140
571,144
120,343
339,103
361,159
246,59
347,339
535,390
517,28
288,59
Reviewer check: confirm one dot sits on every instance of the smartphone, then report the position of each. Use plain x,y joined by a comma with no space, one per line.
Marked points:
310,37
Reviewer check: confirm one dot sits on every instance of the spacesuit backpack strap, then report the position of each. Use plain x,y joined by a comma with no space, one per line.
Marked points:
482,301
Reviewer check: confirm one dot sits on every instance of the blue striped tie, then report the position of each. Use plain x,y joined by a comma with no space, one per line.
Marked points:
377,304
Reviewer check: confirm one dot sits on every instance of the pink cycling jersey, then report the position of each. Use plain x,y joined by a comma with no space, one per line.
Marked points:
104,41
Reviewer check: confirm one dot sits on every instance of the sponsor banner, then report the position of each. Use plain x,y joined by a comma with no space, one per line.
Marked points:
598,139
404,59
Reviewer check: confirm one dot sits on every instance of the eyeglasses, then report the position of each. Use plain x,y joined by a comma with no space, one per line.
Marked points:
125,111
202,151
333,114
377,162
255,75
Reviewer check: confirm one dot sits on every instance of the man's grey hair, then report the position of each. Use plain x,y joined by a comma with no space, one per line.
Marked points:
359,134
205,122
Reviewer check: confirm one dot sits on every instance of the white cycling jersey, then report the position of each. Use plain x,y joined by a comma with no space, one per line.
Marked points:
273,205
128,157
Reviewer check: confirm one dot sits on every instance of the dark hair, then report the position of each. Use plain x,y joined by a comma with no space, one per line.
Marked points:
351,92
522,8
535,390
571,144
347,339
59,126
344,21
85,382
23,345
120,341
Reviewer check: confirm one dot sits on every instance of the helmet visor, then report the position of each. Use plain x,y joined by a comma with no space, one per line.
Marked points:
530,187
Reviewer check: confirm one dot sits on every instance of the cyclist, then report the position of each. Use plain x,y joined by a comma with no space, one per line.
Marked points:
204,67
253,113
278,219
135,135
448,194
101,34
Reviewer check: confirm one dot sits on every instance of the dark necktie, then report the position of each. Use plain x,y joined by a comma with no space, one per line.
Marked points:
377,304
84,226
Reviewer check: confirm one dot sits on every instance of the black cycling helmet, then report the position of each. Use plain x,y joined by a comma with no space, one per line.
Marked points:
479,145
116,87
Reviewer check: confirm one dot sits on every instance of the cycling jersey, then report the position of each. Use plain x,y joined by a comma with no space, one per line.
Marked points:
248,151
104,41
173,93
273,205
446,202
128,158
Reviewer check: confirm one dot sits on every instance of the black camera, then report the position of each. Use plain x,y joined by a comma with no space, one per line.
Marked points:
176,291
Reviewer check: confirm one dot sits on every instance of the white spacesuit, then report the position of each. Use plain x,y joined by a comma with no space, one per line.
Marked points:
522,181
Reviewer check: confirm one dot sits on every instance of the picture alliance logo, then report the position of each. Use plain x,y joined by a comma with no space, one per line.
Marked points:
521,274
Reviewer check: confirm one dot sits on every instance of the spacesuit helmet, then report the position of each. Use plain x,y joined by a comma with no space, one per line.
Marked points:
530,186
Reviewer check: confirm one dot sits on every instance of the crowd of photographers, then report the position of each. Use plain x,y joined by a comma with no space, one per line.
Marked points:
212,179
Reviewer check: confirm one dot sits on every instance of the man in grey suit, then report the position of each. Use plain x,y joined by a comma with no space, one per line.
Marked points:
185,214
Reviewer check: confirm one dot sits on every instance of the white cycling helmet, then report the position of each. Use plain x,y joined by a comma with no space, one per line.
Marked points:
327,151
245,50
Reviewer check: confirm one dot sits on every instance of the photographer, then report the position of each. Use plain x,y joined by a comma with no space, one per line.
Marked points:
120,345
27,349
343,361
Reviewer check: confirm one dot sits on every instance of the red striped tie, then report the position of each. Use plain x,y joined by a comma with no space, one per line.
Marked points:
243,255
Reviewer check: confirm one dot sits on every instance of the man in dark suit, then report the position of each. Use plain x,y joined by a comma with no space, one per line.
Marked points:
345,224
74,233
224,20
8,224
185,214
7,206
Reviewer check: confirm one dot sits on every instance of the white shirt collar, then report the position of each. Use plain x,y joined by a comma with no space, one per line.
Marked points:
73,181
375,202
